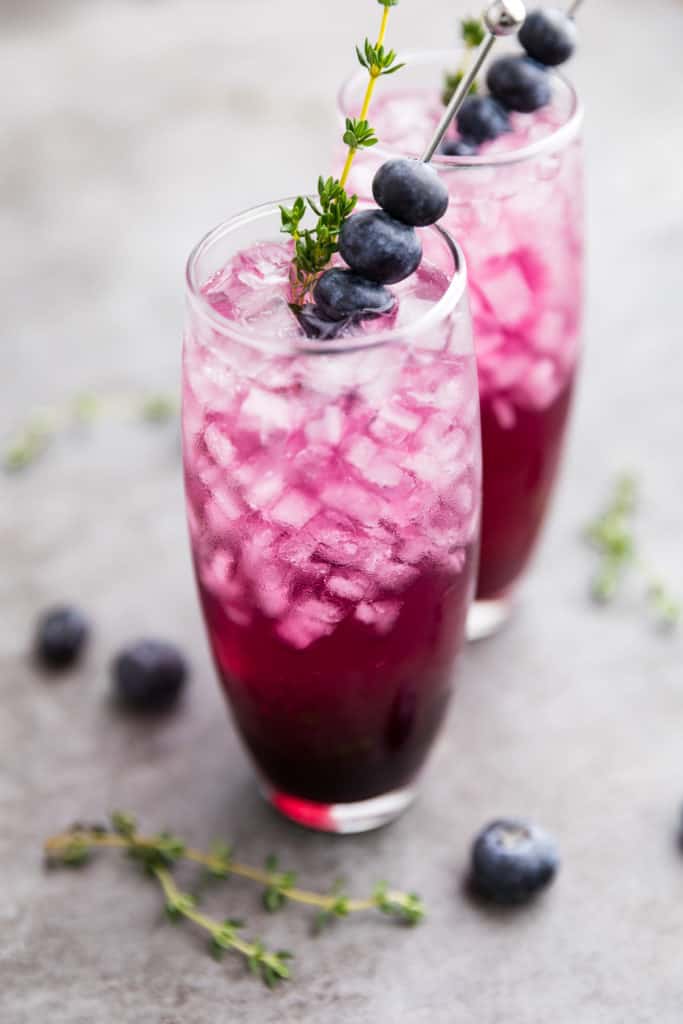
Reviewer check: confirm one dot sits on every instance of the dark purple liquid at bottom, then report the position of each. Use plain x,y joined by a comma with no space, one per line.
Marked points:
520,466
353,715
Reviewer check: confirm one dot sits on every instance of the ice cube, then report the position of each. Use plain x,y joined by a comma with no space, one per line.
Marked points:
267,412
506,287
361,452
455,561
308,621
297,548
383,473
295,508
219,445
313,464
382,615
239,614
328,428
353,500
394,423
218,575
412,550
504,411
424,465
272,590
349,585
366,457
391,575
449,393
223,511
542,384
258,549
336,544
264,490
549,332
463,499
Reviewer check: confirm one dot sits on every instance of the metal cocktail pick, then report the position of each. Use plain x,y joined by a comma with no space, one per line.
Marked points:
502,18
573,8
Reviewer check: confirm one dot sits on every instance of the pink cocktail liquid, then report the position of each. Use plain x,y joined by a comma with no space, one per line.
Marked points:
333,501
520,223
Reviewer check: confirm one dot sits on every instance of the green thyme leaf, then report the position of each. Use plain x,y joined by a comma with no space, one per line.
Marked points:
473,32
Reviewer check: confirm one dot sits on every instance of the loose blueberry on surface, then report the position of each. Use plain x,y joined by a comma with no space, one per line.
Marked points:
519,84
512,860
549,36
482,119
61,634
379,247
149,675
410,191
341,293
458,147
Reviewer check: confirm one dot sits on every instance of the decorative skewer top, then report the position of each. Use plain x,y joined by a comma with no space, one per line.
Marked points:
502,18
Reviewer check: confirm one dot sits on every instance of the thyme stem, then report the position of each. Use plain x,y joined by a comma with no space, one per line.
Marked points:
374,75
56,845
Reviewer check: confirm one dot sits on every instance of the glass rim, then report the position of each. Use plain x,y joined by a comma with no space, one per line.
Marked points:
441,308
557,139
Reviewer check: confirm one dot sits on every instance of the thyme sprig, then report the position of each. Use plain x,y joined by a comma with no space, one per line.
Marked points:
472,33
224,936
314,247
158,854
41,429
613,536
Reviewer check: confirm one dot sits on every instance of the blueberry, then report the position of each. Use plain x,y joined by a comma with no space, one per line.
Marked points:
316,324
379,247
482,119
61,634
549,36
341,293
410,191
458,147
512,860
519,84
149,675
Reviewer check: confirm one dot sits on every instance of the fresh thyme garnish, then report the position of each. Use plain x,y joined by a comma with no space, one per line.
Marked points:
33,439
472,32
314,247
159,854
612,535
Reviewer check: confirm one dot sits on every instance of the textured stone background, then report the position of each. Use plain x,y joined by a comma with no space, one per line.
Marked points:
128,129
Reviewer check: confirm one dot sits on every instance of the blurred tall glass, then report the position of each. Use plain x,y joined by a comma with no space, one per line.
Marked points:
517,210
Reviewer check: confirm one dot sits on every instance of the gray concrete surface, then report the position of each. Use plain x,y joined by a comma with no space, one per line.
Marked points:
129,128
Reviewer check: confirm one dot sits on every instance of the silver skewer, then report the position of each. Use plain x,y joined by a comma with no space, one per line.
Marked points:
573,8
502,18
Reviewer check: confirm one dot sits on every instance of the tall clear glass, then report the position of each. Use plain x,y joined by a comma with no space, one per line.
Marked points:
518,214
333,496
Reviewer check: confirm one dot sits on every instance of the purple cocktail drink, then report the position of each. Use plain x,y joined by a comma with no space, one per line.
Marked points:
333,493
517,205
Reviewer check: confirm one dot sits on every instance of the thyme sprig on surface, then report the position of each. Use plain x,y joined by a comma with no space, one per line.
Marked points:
472,33
32,439
314,247
613,536
158,854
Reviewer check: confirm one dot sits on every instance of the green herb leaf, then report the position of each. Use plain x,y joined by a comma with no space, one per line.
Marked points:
473,32
124,824
359,134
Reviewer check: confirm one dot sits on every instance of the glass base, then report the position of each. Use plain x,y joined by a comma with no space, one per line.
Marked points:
487,617
341,818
